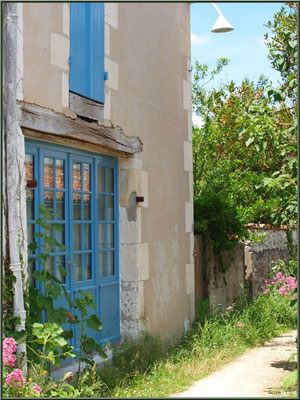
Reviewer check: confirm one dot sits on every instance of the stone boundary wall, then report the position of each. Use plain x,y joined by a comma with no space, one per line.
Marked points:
249,265
260,258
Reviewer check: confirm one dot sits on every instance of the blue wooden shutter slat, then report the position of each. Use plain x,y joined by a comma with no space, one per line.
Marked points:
97,51
78,41
87,50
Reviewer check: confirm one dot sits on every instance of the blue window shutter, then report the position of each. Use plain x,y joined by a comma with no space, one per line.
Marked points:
97,51
87,50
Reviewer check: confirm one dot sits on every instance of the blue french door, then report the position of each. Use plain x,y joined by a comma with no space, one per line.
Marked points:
82,190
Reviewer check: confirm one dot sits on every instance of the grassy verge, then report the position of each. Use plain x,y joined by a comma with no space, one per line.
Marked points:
148,367
284,393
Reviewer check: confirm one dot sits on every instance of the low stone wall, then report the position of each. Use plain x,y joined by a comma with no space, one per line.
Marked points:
260,258
248,265
222,289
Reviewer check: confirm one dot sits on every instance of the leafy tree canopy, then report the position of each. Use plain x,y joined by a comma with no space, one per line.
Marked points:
245,165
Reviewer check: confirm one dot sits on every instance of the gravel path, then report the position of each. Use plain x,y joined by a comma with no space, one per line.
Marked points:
252,375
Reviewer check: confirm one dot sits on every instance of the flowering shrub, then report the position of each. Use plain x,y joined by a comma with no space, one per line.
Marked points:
285,286
38,383
37,389
9,347
15,378
14,384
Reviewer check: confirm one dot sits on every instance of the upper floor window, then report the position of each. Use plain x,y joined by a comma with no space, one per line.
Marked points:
87,73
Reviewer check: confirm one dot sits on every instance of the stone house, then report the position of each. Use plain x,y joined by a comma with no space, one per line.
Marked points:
97,125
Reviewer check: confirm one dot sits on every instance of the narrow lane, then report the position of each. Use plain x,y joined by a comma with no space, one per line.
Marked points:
252,375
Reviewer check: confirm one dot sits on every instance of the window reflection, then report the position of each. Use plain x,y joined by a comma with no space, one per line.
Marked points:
87,237
77,267
86,177
101,207
76,176
30,204
77,206
87,266
101,181
102,264
110,180
48,172
60,235
110,235
110,263
29,167
110,208
87,206
60,205
101,236
77,237
48,198
59,178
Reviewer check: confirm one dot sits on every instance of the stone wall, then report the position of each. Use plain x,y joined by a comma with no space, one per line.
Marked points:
248,264
260,258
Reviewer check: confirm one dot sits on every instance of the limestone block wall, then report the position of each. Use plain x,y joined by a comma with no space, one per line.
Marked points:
152,100
44,62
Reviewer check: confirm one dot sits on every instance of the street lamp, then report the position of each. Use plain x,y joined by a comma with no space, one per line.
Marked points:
221,25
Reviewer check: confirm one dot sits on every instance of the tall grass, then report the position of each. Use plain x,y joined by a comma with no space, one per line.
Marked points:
149,367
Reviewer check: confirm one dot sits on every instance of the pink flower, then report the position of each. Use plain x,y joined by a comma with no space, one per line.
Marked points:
239,324
279,276
229,308
9,359
15,378
281,290
267,281
267,291
9,347
9,344
37,389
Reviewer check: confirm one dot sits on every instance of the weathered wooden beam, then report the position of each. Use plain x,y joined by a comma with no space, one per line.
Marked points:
36,118
86,107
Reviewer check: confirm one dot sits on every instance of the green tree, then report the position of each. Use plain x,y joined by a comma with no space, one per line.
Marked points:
245,166
282,43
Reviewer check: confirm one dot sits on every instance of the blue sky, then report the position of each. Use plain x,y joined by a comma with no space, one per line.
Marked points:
244,46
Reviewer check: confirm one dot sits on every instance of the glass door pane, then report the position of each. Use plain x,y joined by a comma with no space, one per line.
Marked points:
82,220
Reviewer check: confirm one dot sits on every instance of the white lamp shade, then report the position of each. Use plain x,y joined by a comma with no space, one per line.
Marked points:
222,25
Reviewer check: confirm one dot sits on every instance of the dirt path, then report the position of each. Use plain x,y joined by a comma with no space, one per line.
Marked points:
251,375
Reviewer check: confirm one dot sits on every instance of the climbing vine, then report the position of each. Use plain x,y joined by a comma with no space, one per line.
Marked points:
9,319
